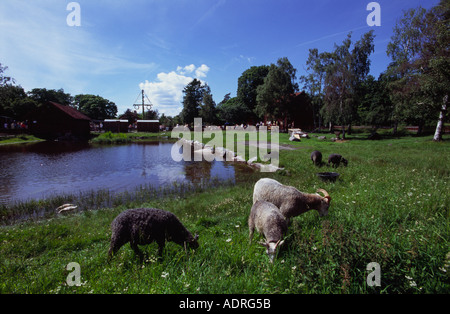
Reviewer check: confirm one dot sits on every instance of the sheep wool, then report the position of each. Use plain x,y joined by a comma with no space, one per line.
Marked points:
336,159
146,225
316,157
268,220
290,201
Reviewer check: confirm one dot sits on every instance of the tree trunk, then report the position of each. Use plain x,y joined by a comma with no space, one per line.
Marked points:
420,128
440,125
394,131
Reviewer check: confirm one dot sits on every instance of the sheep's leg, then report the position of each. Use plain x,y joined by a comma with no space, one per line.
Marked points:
116,244
136,250
161,245
250,235
251,227
113,250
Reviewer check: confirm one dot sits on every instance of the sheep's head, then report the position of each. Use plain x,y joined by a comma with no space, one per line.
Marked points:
344,161
324,202
192,242
271,248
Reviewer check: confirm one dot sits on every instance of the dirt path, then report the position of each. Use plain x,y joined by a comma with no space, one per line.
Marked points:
267,145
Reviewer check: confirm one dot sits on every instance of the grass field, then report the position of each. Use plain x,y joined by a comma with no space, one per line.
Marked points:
391,205
18,139
123,138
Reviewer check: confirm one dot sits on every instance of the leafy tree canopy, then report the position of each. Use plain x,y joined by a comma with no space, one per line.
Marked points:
95,107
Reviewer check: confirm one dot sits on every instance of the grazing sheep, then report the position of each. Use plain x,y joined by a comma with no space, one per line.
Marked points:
316,157
289,200
269,221
336,159
145,225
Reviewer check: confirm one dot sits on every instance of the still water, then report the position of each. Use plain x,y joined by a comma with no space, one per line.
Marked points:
40,170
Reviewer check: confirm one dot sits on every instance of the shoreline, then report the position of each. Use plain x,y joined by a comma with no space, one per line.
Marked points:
228,155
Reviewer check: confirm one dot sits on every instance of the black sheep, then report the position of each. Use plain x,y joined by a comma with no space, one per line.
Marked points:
336,159
316,157
145,225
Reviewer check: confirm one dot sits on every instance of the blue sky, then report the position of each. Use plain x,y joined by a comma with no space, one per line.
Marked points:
161,45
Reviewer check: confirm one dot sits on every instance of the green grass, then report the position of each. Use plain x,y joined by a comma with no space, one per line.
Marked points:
18,139
390,206
123,138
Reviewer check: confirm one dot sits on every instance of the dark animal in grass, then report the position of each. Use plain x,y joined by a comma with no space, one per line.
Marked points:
146,225
316,158
268,220
336,159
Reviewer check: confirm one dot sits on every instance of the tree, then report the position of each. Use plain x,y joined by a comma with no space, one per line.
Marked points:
129,115
95,107
166,121
233,112
435,79
248,83
375,107
225,98
193,96
14,102
420,53
208,107
273,96
152,114
313,82
43,95
5,80
345,70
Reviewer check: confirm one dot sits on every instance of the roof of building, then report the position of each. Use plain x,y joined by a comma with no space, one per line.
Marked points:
115,120
70,111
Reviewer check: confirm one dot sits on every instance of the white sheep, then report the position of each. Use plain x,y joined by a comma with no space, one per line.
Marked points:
269,221
289,200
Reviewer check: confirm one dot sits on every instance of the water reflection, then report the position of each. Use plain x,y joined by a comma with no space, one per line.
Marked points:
40,170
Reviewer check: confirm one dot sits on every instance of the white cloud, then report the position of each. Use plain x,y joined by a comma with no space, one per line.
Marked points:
202,71
166,92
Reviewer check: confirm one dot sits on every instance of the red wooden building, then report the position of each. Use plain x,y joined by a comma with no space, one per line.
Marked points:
52,121
148,125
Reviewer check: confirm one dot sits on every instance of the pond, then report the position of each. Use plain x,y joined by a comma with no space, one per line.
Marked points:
45,169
